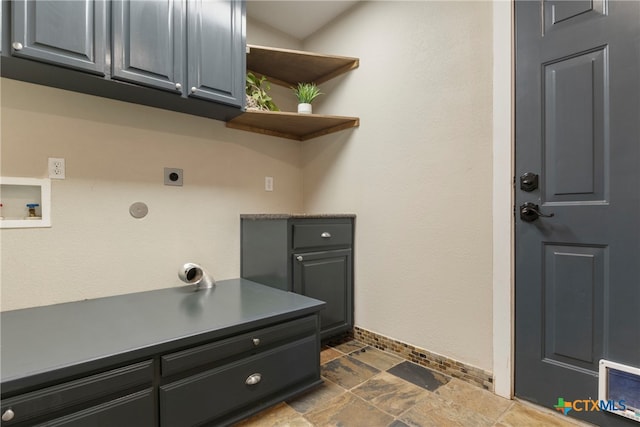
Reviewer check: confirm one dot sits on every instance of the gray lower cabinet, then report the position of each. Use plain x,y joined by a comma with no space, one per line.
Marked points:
311,256
327,276
211,382
250,347
71,33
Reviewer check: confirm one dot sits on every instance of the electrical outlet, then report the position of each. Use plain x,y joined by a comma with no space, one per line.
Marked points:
173,176
268,183
56,168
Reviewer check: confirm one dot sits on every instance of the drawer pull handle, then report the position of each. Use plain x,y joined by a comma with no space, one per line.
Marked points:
326,235
256,341
299,258
253,379
8,415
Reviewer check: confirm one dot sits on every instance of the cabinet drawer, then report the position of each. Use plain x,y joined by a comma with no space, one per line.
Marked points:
219,350
217,392
319,235
61,396
136,409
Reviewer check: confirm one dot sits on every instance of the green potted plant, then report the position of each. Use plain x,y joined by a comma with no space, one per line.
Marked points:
306,93
257,96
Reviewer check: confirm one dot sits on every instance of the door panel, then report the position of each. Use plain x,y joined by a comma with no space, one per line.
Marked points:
577,296
36,32
327,276
573,305
575,112
216,26
558,13
148,43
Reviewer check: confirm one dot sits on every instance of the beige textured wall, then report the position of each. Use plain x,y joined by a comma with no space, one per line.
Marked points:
263,35
417,172
115,154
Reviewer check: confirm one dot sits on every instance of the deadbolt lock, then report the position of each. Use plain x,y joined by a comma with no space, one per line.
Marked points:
529,182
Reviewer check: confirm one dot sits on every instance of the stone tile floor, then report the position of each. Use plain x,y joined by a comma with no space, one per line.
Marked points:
367,387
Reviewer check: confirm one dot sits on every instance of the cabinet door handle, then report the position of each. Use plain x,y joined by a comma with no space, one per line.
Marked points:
178,86
8,415
17,46
194,89
299,258
326,235
256,341
253,379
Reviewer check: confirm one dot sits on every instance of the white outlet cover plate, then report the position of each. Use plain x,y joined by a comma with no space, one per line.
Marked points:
56,168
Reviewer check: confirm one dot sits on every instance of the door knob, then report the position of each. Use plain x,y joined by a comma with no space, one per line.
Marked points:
529,212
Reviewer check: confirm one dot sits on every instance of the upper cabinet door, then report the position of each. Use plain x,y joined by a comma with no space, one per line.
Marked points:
216,50
148,42
37,34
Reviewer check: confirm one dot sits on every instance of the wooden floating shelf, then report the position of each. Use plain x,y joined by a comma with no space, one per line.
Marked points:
288,67
300,127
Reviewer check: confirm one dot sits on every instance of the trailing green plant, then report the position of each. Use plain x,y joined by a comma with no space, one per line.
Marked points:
257,96
306,92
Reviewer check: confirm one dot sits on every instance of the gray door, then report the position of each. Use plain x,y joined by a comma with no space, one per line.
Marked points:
37,32
577,128
148,42
216,50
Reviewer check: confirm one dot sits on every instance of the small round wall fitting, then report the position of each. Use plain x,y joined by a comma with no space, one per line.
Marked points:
138,210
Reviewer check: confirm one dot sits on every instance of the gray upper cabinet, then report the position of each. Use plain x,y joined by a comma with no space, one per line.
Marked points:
180,55
148,39
215,50
159,42
69,33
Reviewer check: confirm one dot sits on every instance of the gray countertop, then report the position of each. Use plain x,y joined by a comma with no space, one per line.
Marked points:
295,216
67,339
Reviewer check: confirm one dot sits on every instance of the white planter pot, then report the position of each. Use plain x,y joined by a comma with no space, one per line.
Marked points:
304,108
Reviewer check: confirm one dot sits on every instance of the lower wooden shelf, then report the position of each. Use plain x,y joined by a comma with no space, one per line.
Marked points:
300,127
